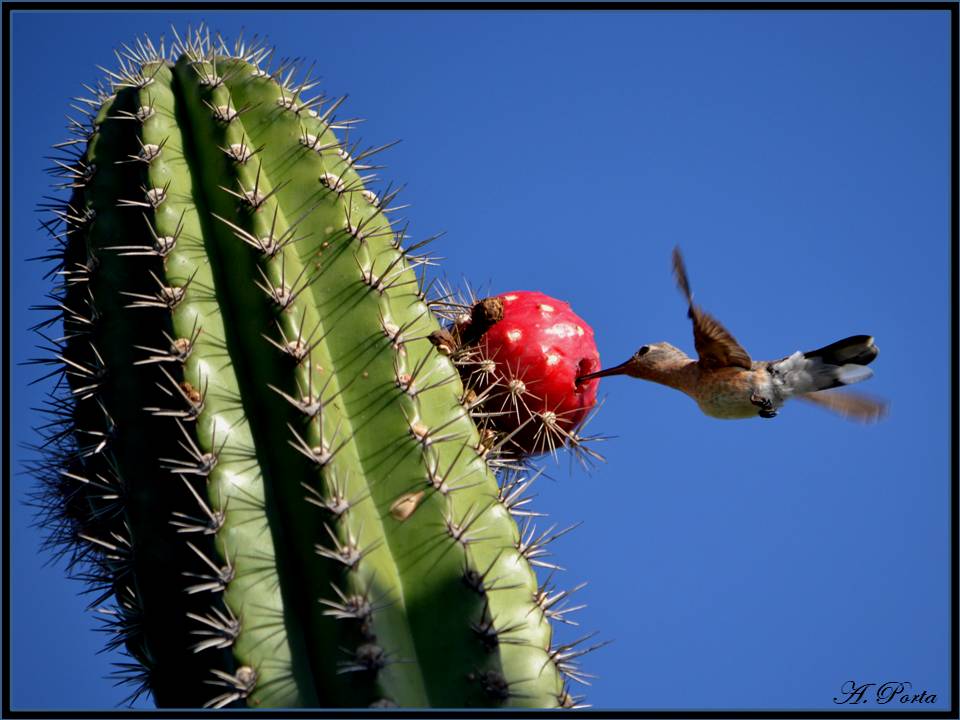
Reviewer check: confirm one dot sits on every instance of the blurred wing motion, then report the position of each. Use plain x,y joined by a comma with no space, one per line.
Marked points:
716,347
853,406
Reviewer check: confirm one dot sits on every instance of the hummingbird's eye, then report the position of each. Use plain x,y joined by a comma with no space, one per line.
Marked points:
642,351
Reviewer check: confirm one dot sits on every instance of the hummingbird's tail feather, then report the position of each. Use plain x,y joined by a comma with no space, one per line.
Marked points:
841,363
854,350
853,406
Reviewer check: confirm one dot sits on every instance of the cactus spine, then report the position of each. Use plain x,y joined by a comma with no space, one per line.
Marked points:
259,454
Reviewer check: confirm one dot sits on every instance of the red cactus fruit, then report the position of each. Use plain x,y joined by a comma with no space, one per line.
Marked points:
523,352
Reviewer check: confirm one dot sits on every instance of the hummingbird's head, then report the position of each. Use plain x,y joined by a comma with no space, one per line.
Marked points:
645,361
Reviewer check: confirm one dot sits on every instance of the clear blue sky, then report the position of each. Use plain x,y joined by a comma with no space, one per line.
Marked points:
801,160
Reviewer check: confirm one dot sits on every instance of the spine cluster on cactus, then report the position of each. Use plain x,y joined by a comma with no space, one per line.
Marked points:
256,450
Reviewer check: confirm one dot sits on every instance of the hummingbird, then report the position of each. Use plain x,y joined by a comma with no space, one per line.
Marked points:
726,383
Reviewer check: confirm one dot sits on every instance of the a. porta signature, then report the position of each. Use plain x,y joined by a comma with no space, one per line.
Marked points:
886,693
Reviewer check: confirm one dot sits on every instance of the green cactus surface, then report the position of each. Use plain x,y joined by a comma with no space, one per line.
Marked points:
259,461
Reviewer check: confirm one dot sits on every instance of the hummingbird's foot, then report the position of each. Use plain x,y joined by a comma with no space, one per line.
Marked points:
765,405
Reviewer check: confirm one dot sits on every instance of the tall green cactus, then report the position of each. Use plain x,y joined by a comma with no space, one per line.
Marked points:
258,452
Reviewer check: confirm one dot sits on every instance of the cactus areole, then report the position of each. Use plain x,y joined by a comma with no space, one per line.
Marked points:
261,461
523,352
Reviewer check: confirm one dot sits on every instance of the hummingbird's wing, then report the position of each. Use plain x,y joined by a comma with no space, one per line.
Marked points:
715,345
854,406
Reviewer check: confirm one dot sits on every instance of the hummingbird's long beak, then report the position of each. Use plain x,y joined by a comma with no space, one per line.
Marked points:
620,369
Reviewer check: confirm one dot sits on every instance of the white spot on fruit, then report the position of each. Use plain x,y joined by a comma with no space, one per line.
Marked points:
514,335
561,330
543,307
509,298
579,331
553,359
